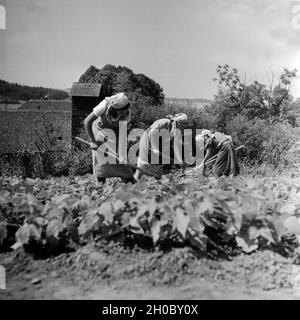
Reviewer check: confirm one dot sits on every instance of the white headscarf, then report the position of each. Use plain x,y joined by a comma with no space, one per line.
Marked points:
205,133
181,117
117,101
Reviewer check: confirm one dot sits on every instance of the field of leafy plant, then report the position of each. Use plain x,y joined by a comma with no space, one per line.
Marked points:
215,217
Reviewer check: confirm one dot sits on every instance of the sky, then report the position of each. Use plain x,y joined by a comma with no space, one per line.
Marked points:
178,43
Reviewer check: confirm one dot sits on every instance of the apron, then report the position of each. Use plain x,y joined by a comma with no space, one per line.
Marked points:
144,159
226,162
101,168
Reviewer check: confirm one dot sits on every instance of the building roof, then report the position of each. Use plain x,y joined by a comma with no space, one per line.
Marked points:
47,105
85,89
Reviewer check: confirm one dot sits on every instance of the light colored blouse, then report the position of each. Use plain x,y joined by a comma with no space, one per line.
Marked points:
104,120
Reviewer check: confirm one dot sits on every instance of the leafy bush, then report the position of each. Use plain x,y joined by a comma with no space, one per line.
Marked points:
254,100
72,161
264,142
80,162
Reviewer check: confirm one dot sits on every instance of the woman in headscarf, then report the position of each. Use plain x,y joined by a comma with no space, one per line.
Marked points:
107,115
221,145
150,147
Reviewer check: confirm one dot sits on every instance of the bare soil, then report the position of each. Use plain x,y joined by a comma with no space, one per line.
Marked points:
108,271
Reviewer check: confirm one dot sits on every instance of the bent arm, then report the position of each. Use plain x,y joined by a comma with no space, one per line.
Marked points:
88,123
207,156
154,141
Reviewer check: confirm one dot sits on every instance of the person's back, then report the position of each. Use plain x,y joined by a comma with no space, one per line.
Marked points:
221,137
162,129
102,124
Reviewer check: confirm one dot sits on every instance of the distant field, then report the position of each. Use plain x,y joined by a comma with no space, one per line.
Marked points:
185,102
22,130
9,107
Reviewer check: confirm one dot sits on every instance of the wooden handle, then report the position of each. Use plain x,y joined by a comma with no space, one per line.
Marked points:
111,152
82,140
116,157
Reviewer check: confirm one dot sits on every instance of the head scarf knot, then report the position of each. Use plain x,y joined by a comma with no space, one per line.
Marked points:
175,119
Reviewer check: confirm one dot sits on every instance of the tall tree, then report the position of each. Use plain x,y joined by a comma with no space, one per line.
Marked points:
115,79
254,100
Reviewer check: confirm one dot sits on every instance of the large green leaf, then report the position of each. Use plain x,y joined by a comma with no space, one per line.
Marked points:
54,228
51,211
27,232
135,226
90,222
195,222
106,211
118,205
181,222
250,206
33,204
42,222
155,229
167,211
288,208
267,234
123,195
246,245
206,205
253,232
292,225
60,199
149,206
278,226
197,239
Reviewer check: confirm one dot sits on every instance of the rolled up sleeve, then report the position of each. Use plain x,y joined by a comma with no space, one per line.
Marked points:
100,108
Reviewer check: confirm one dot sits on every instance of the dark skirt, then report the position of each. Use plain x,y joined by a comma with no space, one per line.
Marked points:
227,162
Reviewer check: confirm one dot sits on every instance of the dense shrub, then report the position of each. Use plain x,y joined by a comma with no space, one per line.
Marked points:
72,161
80,162
264,141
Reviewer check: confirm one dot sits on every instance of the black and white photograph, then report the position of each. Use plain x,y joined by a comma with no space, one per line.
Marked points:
149,150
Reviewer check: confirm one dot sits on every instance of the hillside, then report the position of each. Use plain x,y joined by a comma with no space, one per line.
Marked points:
187,102
14,92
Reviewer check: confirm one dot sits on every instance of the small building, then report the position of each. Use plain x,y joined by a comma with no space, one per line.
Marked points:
85,96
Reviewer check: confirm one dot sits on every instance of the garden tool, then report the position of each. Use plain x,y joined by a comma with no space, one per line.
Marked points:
120,159
212,159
